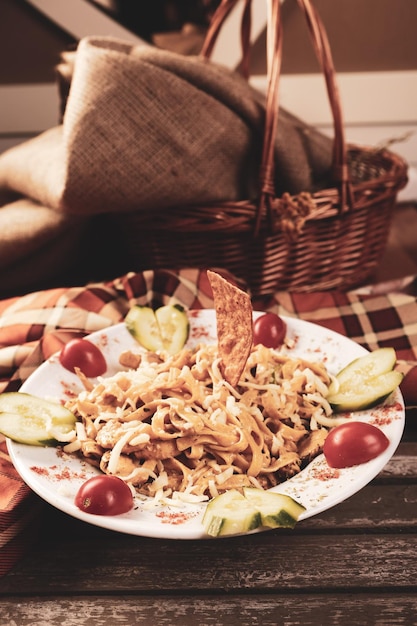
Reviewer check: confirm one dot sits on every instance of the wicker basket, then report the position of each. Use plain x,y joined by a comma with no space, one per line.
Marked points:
332,239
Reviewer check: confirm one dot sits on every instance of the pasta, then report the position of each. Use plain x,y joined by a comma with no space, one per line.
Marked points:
174,428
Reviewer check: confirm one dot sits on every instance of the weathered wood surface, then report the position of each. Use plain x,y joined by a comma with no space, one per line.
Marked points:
214,610
280,561
355,564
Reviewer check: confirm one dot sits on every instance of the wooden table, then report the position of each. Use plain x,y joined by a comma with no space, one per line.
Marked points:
355,564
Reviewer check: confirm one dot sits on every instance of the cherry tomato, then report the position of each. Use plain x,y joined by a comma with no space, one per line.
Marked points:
269,329
104,495
409,387
353,443
85,355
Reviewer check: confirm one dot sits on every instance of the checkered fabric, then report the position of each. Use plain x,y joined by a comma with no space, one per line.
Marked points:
36,325
19,513
373,320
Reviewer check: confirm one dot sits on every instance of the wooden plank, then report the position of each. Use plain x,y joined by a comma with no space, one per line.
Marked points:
400,467
284,561
251,610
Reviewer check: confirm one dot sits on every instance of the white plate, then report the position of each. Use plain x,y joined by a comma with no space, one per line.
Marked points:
56,477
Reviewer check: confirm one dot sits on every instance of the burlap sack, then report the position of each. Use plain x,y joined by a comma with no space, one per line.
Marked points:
148,129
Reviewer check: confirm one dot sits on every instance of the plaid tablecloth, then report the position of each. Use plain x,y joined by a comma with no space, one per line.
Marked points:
36,325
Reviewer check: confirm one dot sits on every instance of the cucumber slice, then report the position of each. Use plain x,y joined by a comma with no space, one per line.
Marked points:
32,420
230,513
277,510
370,365
233,513
367,394
142,324
166,329
365,382
174,327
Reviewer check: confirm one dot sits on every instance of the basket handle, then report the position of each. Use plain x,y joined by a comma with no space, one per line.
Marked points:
274,59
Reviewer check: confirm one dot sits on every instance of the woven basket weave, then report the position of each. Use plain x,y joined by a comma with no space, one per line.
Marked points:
331,239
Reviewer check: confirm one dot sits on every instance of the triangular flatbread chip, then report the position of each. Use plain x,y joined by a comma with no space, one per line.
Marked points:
234,326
